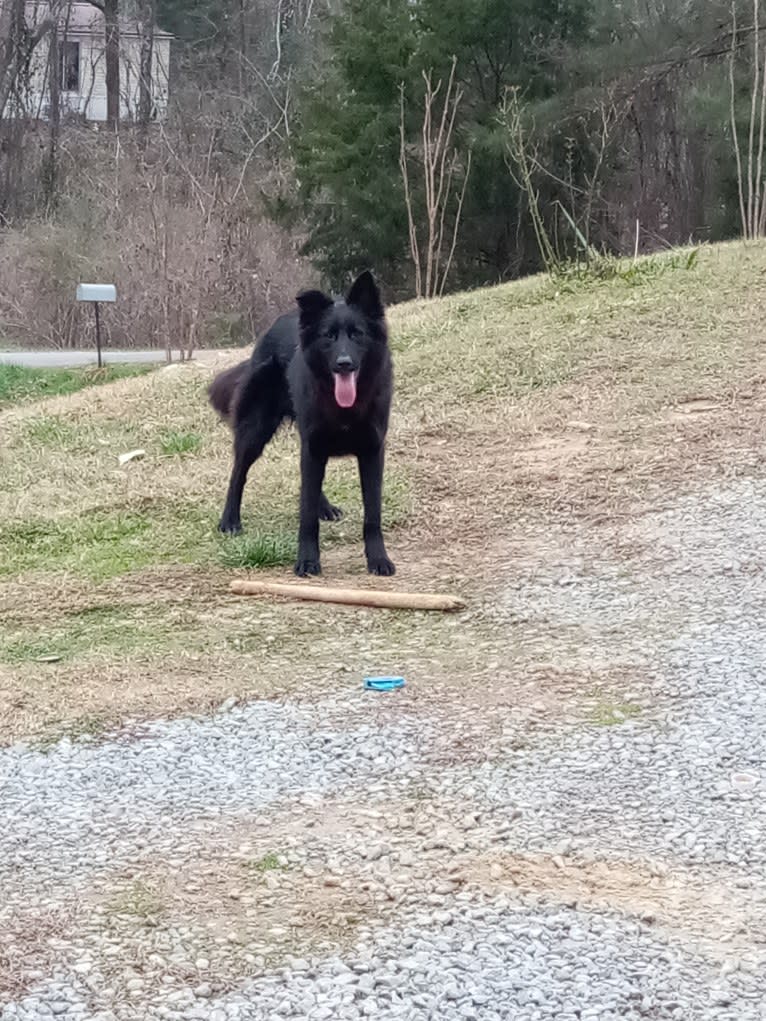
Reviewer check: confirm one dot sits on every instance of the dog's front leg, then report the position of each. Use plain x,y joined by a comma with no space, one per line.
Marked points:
312,476
371,477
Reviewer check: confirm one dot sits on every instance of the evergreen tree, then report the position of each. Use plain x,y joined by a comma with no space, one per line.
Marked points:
347,144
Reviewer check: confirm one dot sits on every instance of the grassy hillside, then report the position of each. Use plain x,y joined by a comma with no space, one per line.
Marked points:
514,403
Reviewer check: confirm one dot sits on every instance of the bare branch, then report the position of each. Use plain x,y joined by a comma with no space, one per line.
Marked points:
440,160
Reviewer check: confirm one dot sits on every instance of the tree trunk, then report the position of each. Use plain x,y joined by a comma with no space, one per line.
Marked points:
17,44
112,53
54,120
146,16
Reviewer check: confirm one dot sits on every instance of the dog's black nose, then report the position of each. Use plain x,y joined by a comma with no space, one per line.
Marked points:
344,363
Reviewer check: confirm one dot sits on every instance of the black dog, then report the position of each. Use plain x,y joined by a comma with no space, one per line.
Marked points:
326,366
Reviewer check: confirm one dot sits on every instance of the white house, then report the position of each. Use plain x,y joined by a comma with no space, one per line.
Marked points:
82,72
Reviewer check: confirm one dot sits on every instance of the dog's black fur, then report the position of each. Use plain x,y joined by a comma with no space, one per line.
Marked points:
327,367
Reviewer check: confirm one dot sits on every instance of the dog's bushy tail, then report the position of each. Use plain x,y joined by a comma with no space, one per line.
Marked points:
223,391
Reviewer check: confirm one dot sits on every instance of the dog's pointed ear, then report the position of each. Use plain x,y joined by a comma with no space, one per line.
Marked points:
311,305
365,296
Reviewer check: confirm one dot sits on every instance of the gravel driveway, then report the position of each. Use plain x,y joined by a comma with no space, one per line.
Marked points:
348,859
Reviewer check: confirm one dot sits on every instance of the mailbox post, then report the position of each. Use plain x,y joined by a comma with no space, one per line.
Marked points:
97,293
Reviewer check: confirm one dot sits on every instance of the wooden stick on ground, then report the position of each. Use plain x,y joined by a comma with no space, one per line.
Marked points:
349,596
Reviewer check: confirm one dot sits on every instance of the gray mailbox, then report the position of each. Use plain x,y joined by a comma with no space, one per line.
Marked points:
97,293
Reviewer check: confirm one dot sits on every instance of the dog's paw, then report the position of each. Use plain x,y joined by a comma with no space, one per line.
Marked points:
330,513
305,568
229,527
381,566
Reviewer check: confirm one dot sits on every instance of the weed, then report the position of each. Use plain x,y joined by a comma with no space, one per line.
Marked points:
263,549
176,443
599,267
610,714
53,431
270,862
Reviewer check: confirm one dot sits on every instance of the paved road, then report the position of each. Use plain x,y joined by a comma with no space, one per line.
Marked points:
74,359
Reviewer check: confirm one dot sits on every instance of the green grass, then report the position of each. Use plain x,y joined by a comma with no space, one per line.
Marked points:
104,544
53,432
262,549
113,630
270,862
99,545
20,384
611,714
176,443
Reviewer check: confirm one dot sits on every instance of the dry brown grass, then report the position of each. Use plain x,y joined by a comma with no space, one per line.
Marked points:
515,406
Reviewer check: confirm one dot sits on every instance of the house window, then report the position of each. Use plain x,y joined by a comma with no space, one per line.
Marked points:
70,66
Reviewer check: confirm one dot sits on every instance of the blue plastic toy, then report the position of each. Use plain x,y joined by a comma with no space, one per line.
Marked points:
383,683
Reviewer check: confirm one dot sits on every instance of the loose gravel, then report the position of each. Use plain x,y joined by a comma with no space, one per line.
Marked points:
664,777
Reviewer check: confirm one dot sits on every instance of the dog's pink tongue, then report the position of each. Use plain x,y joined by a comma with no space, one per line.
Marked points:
345,389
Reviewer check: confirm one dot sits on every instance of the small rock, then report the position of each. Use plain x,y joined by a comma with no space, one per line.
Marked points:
377,851
721,997
131,455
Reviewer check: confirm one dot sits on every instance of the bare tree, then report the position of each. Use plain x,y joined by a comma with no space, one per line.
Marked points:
522,163
17,44
146,17
750,176
54,120
440,164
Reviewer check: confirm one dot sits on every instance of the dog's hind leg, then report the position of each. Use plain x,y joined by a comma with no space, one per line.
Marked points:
250,438
257,418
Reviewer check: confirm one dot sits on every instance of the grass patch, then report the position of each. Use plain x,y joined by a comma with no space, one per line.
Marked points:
20,384
270,862
263,549
601,268
100,545
54,432
176,443
612,714
114,630
105,544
